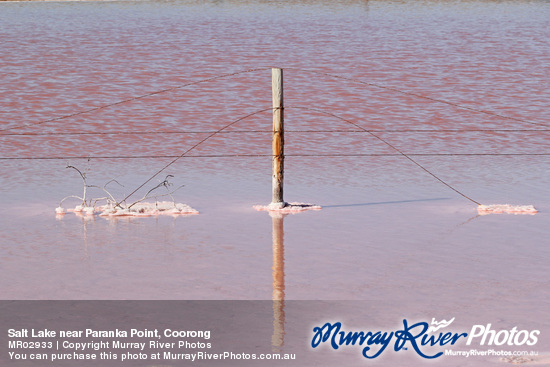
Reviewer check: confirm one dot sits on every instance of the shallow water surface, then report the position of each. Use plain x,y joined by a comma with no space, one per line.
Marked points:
462,87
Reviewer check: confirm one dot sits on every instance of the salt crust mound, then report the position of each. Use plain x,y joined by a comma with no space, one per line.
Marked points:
287,207
506,209
137,210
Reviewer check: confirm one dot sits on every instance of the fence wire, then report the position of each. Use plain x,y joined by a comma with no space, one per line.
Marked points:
153,156
358,129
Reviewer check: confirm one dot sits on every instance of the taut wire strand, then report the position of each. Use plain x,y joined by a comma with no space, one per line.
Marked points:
388,144
132,99
193,147
332,155
420,96
176,132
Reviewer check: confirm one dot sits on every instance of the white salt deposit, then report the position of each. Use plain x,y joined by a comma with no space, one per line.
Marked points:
506,209
89,210
145,209
142,209
287,207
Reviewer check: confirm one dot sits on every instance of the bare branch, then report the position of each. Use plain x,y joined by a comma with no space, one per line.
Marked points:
157,196
68,197
164,183
83,175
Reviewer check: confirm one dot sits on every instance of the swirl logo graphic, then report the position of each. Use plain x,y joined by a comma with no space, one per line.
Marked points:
439,325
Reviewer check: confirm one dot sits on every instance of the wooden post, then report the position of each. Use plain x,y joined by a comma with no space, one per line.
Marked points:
278,137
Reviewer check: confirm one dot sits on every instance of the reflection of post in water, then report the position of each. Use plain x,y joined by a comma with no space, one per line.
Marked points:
277,340
86,219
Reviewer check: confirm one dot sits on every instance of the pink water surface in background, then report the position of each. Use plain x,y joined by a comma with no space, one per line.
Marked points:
430,77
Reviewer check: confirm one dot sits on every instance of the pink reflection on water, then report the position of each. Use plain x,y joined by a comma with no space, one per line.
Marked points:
388,233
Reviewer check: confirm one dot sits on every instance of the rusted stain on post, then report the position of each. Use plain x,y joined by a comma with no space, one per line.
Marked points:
278,137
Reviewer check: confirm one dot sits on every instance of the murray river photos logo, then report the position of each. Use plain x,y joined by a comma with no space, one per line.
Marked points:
423,338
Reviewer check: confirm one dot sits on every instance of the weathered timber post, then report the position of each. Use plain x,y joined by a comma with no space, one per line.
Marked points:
278,137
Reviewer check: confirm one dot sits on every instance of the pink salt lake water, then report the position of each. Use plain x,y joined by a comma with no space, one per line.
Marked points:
388,233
